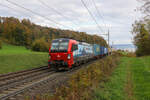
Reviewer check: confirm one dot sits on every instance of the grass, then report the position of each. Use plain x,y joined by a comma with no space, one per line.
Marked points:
129,81
141,78
11,50
114,88
15,58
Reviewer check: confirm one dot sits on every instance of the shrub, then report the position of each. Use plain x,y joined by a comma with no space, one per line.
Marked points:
40,45
84,82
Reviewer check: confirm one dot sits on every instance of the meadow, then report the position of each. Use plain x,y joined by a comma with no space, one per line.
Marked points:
129,81
16,58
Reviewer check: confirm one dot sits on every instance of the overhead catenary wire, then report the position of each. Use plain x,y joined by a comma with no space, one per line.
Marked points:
29,10
101,15
16,10
56,11
98,12
28,15
92,16
38,14
12,9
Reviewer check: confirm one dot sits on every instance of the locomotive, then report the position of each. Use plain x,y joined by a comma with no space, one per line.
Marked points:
66,53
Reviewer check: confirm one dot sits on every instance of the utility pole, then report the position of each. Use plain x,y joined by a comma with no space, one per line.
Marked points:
108,41
112,44
108,34
108,38
112,47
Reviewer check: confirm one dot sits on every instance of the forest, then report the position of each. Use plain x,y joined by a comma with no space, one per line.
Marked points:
38,38
141,30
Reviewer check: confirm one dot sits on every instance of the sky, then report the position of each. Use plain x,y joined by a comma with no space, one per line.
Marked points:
115,15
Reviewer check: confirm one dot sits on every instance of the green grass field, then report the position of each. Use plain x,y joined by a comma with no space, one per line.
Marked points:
15,58
129,81
141,78
114,88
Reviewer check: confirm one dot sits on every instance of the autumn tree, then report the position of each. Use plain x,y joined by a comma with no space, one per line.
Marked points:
25,33
141,31
141,39
40,45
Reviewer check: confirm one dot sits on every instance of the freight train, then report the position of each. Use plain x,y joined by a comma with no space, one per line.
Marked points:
66,53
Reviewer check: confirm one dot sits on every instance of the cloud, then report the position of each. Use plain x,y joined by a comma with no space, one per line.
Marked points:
119,14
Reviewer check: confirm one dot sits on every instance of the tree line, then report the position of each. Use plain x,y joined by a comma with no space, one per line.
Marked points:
141,31
36,37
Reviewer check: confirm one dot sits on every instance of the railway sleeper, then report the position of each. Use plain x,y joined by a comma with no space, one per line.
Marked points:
21,73
24,81
20,78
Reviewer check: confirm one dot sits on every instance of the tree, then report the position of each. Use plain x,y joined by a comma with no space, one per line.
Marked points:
141,38
141,31
40,45
23,32
145,7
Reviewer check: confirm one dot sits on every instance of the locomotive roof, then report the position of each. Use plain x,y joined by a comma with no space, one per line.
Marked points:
61,39
84,43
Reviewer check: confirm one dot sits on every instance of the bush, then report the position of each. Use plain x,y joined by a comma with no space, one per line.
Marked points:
40,45
0,45
82,84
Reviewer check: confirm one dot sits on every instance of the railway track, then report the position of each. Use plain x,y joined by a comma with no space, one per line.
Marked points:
13,86
15,74
12,83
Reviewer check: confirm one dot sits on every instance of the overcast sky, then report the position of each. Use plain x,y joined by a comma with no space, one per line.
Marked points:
117,15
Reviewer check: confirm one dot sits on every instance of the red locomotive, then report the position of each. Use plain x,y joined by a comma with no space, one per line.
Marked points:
64,53
61,53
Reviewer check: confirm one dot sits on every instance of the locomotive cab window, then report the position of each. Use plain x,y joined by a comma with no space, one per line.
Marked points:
59,46
63,46
55,46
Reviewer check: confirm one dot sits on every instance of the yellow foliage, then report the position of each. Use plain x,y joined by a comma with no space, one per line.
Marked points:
40,45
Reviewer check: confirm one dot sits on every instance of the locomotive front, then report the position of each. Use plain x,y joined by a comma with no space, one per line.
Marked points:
60,54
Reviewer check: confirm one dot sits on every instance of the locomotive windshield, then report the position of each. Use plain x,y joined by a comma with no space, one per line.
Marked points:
63,46
59,46
55,46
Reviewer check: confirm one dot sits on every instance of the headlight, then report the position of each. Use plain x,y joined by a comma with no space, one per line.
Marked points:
69,56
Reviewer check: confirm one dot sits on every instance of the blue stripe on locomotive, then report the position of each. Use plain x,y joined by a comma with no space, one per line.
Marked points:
83,50
96,49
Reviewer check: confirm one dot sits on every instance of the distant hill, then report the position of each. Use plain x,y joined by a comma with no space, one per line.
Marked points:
129,47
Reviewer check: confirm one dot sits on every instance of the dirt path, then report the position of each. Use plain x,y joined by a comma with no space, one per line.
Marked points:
129,83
